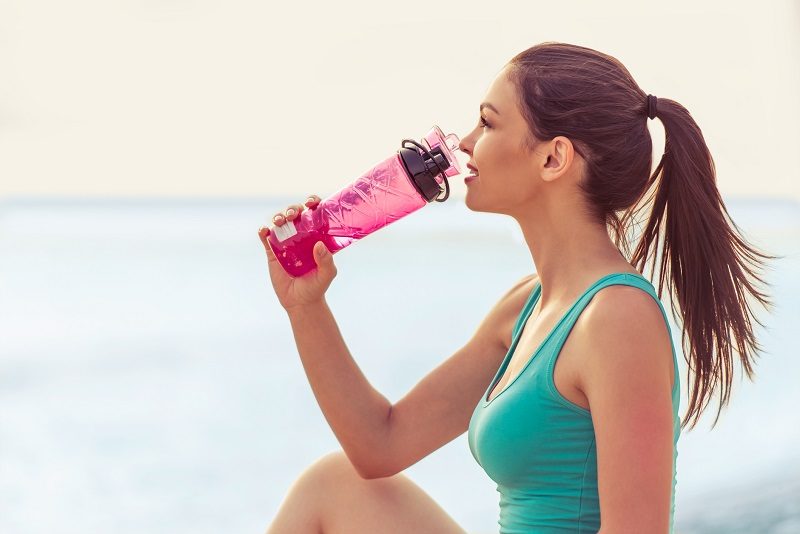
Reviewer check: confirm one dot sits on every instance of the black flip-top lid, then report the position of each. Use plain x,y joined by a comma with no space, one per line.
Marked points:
423,167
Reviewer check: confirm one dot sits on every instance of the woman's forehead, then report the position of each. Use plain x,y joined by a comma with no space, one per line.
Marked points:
500,97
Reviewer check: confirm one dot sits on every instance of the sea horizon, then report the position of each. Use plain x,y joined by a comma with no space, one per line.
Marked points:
149,378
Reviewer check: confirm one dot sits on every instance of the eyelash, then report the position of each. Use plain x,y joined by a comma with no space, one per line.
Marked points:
484,123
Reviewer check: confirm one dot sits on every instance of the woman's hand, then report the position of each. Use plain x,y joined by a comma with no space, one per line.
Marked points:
309,288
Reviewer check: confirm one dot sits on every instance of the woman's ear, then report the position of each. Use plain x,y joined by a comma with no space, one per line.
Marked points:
559,155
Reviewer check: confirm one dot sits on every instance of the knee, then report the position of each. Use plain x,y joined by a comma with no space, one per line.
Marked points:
317,482
309,496
330,470
333,474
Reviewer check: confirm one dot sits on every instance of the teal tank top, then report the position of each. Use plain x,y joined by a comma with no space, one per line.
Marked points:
538,446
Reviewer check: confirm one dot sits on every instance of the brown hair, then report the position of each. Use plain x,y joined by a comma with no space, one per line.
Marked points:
592,99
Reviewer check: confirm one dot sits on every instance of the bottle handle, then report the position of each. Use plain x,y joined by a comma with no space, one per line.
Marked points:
432,158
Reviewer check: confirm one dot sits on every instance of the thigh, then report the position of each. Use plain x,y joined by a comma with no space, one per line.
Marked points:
353,505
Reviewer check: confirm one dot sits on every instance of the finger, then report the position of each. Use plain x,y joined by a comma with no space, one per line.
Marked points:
263,234
312,201
292,212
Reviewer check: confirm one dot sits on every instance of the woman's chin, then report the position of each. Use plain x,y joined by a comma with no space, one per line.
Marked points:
469,202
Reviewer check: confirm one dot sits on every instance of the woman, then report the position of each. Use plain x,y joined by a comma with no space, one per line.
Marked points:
579,423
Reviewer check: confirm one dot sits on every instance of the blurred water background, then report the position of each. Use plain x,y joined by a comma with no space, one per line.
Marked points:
149,380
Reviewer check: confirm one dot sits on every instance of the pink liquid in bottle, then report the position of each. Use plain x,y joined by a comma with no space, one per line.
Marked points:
395,187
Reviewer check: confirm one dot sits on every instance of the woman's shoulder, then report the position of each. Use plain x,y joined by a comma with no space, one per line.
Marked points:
530,280
523,290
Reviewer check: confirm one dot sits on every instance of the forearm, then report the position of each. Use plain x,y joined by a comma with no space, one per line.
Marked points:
356,412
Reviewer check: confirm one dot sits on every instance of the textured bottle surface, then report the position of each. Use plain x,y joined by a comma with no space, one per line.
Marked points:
378,198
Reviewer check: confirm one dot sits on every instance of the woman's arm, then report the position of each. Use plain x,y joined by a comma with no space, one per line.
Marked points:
626,379
356,412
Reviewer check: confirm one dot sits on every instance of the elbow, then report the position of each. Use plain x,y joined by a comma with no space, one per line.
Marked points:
382,463
375,471
366,473
371,476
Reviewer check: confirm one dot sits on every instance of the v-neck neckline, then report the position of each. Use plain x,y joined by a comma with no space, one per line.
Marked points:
535,294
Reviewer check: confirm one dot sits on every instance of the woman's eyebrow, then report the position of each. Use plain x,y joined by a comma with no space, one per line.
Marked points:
488,105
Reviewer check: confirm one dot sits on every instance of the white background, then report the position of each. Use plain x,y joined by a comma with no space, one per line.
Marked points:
244,97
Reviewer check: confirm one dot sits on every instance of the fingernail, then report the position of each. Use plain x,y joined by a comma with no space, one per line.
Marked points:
290,212
277,218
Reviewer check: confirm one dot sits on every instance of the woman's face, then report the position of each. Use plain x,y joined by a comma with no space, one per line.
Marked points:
507,171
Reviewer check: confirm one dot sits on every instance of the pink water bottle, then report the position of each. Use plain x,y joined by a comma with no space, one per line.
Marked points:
395,187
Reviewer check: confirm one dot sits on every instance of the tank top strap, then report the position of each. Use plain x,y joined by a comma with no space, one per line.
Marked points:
629,279
611,279
529,304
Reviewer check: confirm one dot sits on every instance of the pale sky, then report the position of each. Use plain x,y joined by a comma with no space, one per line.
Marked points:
238,98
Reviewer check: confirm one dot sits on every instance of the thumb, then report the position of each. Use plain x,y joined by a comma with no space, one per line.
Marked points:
321,254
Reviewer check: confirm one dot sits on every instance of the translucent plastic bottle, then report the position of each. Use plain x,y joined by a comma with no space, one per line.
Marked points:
401,184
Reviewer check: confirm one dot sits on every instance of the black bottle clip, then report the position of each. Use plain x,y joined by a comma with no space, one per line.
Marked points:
423,168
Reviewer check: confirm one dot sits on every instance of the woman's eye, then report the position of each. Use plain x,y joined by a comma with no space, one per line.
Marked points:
484,123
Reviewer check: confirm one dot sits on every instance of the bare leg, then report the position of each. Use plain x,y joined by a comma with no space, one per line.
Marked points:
331,498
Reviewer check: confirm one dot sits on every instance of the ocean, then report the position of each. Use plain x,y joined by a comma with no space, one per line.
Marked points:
149,380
